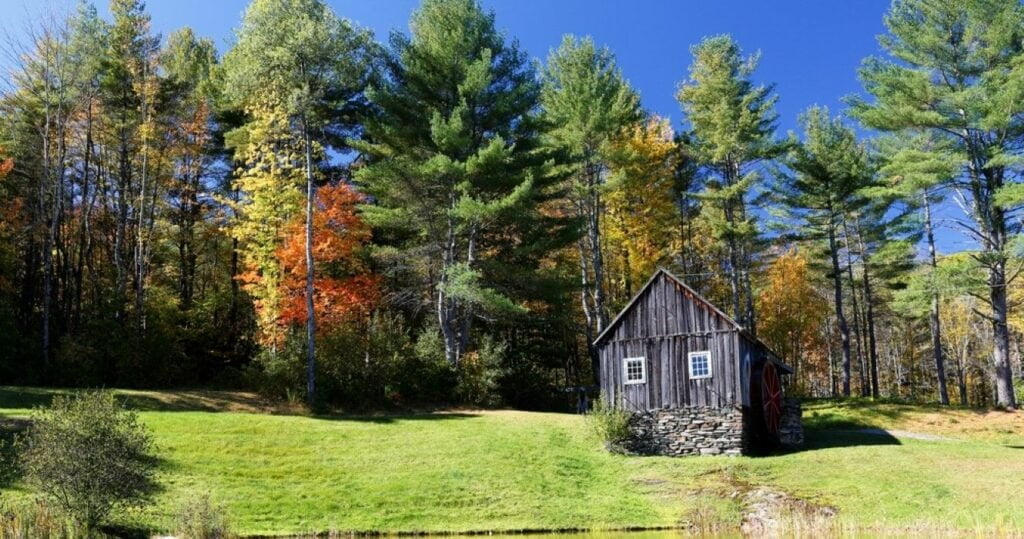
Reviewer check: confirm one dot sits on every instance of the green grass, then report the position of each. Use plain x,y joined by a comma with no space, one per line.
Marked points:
509,470
996,426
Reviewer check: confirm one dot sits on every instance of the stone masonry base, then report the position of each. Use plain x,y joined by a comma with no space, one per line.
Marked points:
694,430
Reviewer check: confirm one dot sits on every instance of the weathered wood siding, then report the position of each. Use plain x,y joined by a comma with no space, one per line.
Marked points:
665,324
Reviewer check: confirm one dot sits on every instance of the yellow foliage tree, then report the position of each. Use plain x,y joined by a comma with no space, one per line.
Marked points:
642,214
791,314
269,181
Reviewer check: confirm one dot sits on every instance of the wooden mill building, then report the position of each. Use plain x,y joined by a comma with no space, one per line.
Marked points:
671,349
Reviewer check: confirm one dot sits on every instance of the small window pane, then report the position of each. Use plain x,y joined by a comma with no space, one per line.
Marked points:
700,364
635,370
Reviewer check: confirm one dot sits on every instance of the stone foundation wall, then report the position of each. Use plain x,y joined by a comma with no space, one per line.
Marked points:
696,430
791,425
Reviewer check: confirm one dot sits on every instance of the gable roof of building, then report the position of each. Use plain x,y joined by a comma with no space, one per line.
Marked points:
696,297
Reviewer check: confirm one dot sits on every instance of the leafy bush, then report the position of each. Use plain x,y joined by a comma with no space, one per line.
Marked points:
88,455
609,423
371,364
479,373
200,518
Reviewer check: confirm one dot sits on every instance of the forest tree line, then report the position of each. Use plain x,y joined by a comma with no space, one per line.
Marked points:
438,218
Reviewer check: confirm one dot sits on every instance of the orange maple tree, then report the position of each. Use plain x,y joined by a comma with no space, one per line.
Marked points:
792,317
343,288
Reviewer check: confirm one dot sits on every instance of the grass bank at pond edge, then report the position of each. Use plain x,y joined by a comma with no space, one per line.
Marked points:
506,471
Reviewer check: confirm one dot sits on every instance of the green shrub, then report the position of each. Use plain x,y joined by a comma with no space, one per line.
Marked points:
88,456
370,364
610,424
200,518
479,372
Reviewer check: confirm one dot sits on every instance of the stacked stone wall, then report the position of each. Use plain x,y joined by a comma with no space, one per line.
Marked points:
692,430
791,425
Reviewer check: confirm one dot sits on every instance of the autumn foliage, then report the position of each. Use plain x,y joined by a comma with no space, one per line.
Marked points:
792,317
343,288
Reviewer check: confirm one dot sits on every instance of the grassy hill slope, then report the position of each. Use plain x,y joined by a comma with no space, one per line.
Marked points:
510,470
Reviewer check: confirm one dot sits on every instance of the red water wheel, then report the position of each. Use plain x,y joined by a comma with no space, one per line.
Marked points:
771,397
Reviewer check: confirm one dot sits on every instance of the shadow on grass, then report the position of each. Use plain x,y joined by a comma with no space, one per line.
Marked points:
385,419
816,439
153,401
204,400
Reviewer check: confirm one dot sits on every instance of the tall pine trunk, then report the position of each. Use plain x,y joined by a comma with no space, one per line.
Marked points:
48,247
872,341
985,182
933,318
592,297
857,318
869,312
1001,351
837,283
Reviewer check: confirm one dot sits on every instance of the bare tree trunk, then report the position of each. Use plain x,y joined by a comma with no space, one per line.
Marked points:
140,272
734,273
833,378
466,324
844,330
45,185
310,312
751,319
121,232
594,233
933,319
961,377
1001,350
870,308
446,307
592,296
857,318
872,343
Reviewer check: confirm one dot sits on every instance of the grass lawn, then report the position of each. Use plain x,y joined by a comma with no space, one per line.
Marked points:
509,470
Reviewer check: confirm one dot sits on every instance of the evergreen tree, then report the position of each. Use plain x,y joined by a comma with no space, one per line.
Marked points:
588,105
957,70
455,170
731,131
828,168
189,64
916,169
128,72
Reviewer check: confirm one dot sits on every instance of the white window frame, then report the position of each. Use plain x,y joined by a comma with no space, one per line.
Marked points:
643,370
689,364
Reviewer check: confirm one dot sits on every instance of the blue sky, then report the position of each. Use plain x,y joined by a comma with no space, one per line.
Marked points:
810,49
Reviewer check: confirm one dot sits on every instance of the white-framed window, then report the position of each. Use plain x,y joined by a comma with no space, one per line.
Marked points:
700,364
634,370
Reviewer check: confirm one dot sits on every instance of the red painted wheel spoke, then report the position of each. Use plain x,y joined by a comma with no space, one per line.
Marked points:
771,396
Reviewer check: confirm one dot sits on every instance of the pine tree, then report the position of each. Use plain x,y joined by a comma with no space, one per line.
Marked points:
916,169
956,71
588,105
828,168
189,64
128,92
455,170
731,131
